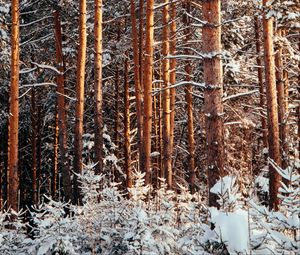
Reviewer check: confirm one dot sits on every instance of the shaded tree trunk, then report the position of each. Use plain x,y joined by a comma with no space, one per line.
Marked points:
172,75
260,82
281,99
98,87
34,146
273,135
55,157
13,178
127,145
62,123
213,78
189,104
137,79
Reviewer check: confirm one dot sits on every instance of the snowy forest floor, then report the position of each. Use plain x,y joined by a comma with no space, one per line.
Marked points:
156,222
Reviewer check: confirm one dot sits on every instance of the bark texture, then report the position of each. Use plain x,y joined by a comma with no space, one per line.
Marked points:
213,78
61,108
13,130
98,87
148,72
272,108
79,110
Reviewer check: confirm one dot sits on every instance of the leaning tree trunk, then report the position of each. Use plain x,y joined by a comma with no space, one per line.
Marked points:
213,78
148,72
61,109
260,82
79,101
98,88
166,146
13,179
273,135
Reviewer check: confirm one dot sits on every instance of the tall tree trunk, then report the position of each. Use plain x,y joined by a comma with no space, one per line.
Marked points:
167,155
282,111
213,78
141,43
98,87
137,79
13,179
273,135
127,145
60,80
79,110
189,104
34,146
260,82
148,72
172,74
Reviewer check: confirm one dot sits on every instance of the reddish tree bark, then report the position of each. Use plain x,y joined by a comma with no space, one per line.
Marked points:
13,178
62,123
213,78
148,72
273,135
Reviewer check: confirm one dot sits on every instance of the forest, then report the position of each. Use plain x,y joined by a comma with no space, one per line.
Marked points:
167,127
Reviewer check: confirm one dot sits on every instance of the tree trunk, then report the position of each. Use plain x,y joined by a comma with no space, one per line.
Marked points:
137,79
172,75
167,155
260,82
79,110
189,104
13,179
127,145
98,88
148,72
62,123
273,135
282,110
213,78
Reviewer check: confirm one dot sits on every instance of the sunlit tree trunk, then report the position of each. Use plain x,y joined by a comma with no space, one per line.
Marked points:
127,145
62,123
167,156
273,135
260,81
13,179
213,78
98,87
148,72
79,110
